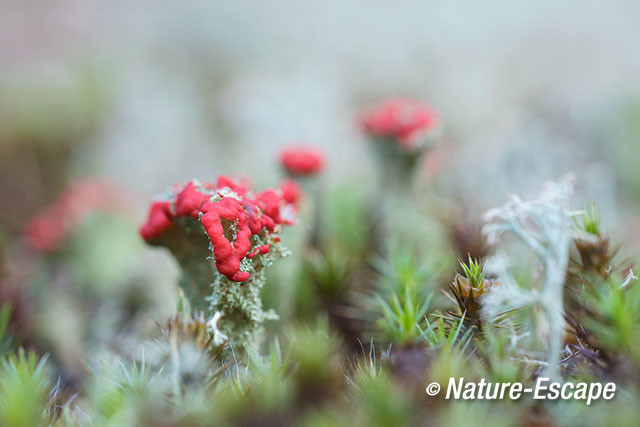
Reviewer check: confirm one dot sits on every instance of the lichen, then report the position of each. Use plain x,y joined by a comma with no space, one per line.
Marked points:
223,237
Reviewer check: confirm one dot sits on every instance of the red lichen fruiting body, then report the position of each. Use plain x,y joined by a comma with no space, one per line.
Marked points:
247,213
302,160
228,256
290,191
189,201
403,119
270,202
47,230
158,221
237,187
259,250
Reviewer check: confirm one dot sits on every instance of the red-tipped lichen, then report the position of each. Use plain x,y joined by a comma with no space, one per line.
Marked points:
231,216
291,191
404,120
47,230
302,160
240,228
158,222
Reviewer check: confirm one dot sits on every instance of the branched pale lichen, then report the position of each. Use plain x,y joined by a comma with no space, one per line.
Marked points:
543,224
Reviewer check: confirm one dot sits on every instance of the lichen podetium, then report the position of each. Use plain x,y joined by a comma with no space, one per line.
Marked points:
223,236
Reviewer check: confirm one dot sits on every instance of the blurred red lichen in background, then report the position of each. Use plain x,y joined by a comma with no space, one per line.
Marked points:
291,191
405,120
302,160
46,231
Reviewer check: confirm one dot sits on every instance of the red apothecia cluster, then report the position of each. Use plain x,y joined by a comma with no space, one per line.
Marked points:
46,231
404,120
302,160
250,213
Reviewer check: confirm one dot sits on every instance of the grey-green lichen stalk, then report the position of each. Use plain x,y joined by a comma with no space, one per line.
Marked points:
544,225
240,306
